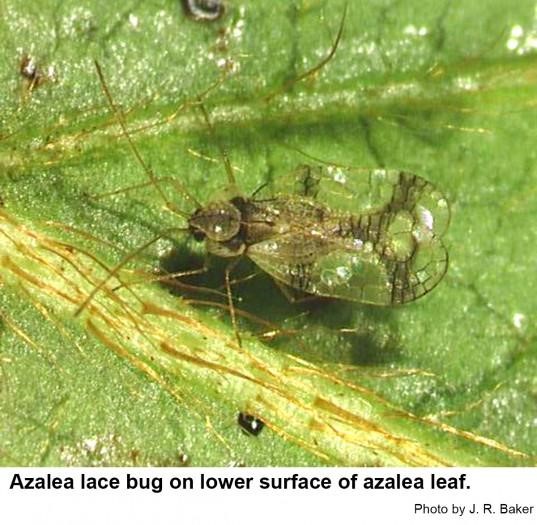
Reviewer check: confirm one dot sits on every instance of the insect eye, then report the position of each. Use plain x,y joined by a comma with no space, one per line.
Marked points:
198,235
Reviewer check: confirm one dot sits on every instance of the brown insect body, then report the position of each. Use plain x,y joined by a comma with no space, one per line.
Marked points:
388,254
230,228
373,238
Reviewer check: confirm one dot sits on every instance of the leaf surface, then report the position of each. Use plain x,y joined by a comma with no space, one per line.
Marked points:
146,376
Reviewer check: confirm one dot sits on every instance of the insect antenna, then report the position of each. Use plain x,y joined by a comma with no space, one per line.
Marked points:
324,162
171,180
171,280
223,153
149,172
259,189
121,264
317,67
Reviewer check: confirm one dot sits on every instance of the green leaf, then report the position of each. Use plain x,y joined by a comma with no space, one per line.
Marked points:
146,376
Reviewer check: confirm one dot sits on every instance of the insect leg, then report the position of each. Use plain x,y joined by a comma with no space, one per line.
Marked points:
232,312
171,279
248,277
288,294
271,330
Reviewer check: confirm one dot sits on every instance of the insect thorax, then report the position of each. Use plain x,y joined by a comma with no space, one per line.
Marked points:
230,226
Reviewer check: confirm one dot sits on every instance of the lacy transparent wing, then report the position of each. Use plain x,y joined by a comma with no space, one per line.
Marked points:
365,191
378,241
338,271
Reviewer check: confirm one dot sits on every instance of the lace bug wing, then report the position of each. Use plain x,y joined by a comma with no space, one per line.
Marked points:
380,243
362,191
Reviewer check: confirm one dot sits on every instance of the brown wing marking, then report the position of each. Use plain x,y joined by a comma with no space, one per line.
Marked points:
334,270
